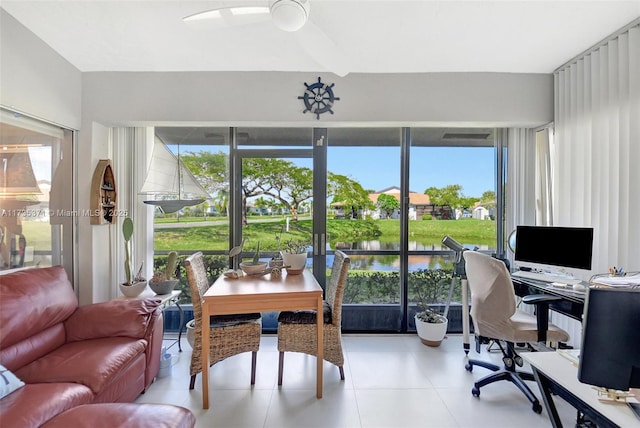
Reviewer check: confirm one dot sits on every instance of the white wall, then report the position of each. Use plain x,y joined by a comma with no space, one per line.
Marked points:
241,98
36,80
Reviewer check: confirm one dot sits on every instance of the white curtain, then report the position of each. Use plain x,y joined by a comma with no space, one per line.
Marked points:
129,145
596,178
544,200
520,189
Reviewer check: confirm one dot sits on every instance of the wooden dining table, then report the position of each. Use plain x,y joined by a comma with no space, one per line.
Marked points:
261,293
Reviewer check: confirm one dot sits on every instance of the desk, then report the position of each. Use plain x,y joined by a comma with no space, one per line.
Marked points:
571,305
261,294
555,374
166,300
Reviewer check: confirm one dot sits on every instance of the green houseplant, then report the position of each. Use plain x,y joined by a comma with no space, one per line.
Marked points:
134,285
163,282
294,255
431,326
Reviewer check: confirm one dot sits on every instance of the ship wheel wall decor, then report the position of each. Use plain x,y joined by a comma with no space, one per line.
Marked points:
318,98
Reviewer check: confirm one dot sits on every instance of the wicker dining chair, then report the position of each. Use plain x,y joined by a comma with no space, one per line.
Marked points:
230,334
297,329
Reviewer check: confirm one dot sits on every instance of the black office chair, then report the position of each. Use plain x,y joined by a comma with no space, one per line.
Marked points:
495,317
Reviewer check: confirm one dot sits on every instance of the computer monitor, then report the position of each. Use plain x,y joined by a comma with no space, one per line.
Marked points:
549,248
610,351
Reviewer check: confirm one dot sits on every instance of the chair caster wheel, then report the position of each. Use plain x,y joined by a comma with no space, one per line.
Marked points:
508,362
537,408
519,361
476,392
468,367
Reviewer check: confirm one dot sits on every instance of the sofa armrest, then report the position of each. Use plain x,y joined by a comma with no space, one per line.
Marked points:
154,336
128,317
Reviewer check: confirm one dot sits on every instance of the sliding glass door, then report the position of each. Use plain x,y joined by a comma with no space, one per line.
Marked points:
37,211
367,161
452,193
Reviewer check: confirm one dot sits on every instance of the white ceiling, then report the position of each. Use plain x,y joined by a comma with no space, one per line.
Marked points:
371,36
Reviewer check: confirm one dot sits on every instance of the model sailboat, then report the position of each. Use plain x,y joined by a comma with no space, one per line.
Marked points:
171,181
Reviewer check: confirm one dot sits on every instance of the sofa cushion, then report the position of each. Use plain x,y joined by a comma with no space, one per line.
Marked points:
34,404
31,348
125,415
94,363
32,301
8,382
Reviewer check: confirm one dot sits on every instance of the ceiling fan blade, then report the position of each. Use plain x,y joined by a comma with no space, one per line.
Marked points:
323,49
229,16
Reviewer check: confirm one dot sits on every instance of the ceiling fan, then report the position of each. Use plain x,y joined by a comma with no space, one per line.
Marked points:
287,15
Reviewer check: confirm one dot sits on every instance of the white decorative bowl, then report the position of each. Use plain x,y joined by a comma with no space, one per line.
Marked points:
133,290
253,269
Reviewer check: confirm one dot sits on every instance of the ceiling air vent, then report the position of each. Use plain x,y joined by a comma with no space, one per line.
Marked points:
453,136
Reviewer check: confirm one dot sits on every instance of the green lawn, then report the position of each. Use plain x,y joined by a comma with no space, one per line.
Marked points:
216,237
429,232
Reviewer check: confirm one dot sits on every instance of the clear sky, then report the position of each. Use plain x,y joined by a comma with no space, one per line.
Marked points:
377,168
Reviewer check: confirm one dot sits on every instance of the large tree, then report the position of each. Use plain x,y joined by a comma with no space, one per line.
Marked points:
276,181
388,204
488,199
449,195
210,169
348,192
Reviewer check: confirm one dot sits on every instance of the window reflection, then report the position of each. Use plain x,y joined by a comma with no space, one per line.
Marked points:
36,202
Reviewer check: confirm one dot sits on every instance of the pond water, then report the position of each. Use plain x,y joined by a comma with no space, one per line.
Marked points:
395,246
390,263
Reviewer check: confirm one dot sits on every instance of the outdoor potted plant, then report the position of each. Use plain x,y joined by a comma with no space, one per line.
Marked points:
294,255
165,282
134,285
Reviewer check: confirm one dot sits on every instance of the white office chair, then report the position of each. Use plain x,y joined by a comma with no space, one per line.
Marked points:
495,317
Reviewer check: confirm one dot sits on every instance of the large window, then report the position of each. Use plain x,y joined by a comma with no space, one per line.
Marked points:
385,196
37,215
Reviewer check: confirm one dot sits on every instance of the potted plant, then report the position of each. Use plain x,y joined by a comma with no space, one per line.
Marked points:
165,282
134,285
427,287
430,326
294,255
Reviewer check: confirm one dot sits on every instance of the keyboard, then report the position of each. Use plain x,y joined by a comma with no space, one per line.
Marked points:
545,277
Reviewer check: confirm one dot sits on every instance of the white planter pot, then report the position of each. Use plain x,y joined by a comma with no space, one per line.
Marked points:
133,290
431,334
294,262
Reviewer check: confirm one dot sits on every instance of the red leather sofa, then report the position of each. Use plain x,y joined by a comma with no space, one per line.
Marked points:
68,355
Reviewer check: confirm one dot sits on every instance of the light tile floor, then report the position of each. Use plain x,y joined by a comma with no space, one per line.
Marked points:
391,381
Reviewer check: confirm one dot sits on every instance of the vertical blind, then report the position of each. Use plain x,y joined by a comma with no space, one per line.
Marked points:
596,174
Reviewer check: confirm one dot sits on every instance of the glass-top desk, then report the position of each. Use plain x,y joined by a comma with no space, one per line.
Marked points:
571,305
